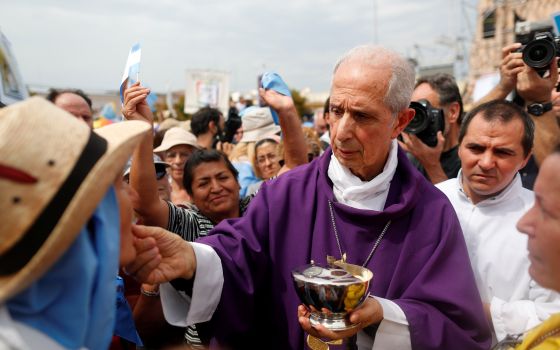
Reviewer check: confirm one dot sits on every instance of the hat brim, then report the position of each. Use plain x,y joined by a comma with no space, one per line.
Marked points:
163,148
261,133
122,138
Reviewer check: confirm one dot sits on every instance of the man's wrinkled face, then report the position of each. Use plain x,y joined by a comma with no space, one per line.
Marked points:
542,224
491,154
362,126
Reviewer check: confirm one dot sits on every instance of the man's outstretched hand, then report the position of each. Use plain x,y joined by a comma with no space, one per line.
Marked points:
161,256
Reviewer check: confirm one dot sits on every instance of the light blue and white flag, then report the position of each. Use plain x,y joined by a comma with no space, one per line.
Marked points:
556,20
272,80
131,72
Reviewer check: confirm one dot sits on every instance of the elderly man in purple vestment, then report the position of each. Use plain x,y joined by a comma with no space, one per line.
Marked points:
423,295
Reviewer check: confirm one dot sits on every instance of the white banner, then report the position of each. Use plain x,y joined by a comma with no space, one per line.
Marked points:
207,88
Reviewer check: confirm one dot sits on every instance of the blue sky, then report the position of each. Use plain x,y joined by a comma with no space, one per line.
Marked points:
84,44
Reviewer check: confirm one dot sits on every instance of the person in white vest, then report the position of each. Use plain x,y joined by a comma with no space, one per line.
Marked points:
495,141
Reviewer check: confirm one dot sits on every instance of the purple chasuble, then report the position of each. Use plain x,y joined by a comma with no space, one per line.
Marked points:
421,264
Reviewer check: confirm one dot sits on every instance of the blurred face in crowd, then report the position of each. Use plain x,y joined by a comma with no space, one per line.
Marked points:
542,224
362,126
177,156
491,154
75,105
268,164
217,129
238,135
163,186
164,189
320,124
125,194
215,191
555,98
313,150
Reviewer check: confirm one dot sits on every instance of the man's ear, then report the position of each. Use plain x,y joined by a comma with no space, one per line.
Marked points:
403,118
454,109
212,127
526,160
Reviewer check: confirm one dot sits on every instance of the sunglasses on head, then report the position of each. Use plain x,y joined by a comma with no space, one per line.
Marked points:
160,173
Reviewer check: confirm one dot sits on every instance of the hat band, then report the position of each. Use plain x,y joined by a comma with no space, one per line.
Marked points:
19,255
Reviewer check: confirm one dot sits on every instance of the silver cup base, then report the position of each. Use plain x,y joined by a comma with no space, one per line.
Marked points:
334,322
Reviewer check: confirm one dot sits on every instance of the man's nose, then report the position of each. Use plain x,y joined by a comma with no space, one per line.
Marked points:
525,224
486,161
345,127
177,159
215,185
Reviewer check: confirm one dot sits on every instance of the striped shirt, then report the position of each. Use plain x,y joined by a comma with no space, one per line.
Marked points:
190,224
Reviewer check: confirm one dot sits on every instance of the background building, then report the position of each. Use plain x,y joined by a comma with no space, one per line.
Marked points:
501,23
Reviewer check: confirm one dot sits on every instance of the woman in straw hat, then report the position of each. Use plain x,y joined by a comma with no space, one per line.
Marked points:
177,146
59,238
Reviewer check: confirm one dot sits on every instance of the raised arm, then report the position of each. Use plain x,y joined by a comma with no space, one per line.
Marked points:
511,65
295,148
148,205
536,89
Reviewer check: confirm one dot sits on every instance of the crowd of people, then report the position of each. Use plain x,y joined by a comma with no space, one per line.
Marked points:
204,224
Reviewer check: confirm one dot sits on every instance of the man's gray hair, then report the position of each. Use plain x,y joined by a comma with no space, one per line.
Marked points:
401,84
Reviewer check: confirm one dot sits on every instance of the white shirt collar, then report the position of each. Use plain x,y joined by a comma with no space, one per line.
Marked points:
350,190
511,189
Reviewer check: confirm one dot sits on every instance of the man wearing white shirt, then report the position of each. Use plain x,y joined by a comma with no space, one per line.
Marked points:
496,139
239,277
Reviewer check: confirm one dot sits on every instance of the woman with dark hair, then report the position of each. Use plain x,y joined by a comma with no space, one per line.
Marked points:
211,181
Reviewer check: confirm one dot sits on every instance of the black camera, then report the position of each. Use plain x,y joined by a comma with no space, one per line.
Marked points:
232,124
539,52
426,123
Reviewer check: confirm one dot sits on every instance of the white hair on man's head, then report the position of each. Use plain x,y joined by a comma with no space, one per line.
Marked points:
400,85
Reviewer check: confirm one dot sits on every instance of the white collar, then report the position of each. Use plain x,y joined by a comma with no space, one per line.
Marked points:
510,190
352,191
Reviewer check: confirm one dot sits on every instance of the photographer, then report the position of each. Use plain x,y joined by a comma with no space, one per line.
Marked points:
535,91
439,162
208,125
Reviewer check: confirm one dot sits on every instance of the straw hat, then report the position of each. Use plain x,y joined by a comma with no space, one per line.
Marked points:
258,124
53,172
169,123
176,136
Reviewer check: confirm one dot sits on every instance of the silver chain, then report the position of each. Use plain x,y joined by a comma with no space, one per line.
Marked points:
374,245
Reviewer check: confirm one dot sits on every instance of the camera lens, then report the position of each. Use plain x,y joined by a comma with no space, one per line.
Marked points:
420,120
539,54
